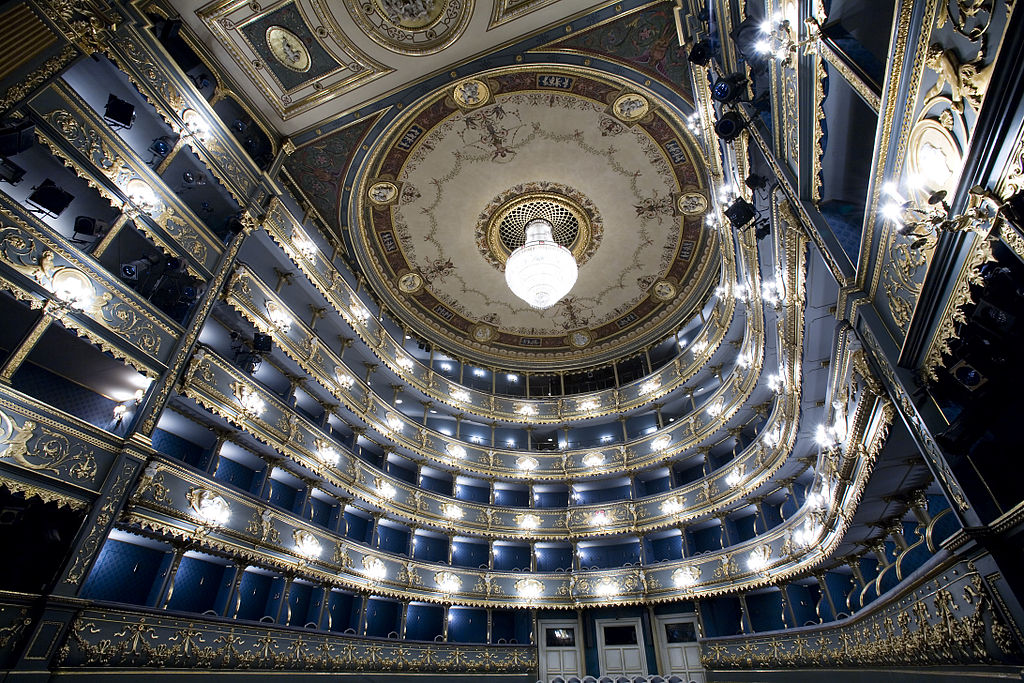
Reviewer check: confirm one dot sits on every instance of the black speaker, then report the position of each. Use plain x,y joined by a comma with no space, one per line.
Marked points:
729,127
261,343
15,138
119,113
700,53
740,212
85,225
10,172
49,198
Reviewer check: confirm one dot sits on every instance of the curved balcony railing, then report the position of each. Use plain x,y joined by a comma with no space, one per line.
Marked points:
289,544
321,272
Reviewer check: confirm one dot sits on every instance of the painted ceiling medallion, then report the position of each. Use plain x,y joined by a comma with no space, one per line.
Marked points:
631,107
287,49
410,283
692,203
465,183
471,94
412,27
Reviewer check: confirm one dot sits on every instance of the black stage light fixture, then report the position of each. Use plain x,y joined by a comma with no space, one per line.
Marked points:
729,126
118,113
762,229
84,225
756,182
16,137
49,199
261,343
10,172
700,53
132,271
967,376
159,148
740,212
729,88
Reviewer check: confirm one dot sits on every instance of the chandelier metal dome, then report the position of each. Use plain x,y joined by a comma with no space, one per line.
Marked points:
541,271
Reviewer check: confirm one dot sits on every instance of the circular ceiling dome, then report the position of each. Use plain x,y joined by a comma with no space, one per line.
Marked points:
444,196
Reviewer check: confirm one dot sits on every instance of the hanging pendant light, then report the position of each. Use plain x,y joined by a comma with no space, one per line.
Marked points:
541,271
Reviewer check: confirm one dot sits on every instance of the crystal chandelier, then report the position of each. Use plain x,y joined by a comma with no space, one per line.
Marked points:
541,271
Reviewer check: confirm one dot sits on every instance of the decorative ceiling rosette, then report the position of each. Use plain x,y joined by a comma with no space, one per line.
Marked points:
412,27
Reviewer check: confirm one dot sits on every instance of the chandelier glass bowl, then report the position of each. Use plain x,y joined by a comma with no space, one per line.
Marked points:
541,271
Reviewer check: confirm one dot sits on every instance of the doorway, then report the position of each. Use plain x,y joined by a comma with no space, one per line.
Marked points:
621,647
559,649
680,653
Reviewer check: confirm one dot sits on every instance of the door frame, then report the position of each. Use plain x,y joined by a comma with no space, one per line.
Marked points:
599,625
542,625
661,642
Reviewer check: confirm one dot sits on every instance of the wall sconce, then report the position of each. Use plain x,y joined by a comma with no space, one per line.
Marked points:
279,317
593,459
210,506
759,556
196,125
672,506
460,395
606,587
303,244
925,223
306,544
345,380
600,518
734,477
374,569
527,464
385,490
119,412
451,511
327,453
249,401
649,387
141,195
661,443
447,582
71,287
404,362
456,451
685,577
530,589
778,39
529,522
526,410
587,405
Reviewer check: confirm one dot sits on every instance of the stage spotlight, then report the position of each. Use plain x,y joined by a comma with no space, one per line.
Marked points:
729,88
756,182
159,148
700,53
131,271
740,212
16,137
10,172
118,113
48,199
729,126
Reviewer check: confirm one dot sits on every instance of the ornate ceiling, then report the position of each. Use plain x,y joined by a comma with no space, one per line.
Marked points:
446,189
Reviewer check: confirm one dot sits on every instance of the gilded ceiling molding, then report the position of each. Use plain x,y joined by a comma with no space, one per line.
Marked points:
960,296
284,229
50,68
504,11
411,28
296,55
44,494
